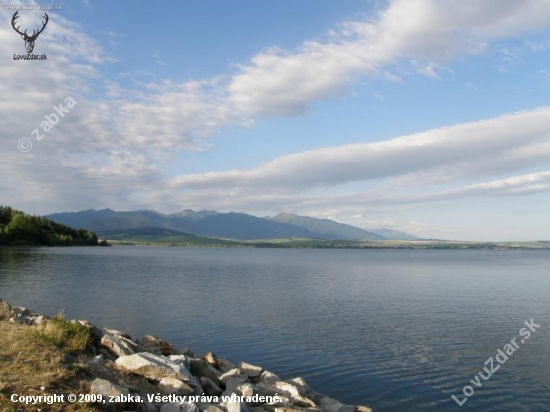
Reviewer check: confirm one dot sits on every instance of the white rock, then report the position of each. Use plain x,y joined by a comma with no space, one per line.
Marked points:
156,367
117,333
211,359
180,360
174,386
267,376
246,389
232,384
151,341
301,384
284,389
118,344
233,373
251,370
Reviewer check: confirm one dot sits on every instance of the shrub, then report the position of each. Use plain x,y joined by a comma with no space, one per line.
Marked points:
65,335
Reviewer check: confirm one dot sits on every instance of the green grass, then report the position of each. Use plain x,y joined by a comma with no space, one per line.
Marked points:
65,335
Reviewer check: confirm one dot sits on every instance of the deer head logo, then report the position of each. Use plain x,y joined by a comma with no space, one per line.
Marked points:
29,40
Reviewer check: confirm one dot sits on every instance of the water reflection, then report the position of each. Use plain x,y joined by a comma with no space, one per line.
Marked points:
400,330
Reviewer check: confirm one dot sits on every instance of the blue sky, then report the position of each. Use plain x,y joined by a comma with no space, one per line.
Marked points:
428,116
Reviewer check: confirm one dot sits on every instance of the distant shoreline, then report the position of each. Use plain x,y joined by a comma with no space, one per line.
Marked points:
317,244
320,244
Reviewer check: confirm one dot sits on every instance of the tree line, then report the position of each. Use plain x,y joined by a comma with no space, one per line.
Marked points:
20,229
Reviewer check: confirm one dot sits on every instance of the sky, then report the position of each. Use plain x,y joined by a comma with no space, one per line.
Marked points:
426,116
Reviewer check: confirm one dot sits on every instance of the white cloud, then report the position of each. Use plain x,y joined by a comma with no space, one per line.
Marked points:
106,151
483,148
428,32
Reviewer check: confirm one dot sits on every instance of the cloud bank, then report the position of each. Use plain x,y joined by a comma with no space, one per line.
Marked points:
111,148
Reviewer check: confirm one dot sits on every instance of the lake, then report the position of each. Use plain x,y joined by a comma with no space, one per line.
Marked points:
399,330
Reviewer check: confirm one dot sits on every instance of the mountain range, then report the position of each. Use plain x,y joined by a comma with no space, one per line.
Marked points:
240,226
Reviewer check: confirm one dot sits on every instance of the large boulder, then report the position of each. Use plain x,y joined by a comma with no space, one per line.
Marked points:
301,385
150,341
117,333
181,360
118,344
210,387
251,370
235,383
169,386
156,345
211,359
156,367
285,389
268,376
203,369
233,373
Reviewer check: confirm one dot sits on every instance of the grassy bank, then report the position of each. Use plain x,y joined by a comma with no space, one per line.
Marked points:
43,360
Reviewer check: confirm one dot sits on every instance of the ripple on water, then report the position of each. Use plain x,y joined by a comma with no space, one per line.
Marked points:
399,330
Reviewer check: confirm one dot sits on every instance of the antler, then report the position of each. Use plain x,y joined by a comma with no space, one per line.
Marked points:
43,26
34,33
15,16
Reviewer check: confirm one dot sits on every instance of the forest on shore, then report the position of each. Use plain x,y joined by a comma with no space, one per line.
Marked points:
20,229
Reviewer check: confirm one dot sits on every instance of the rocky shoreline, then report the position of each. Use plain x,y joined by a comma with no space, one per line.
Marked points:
150,375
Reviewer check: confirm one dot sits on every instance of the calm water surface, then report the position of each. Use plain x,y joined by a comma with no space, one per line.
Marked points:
396,330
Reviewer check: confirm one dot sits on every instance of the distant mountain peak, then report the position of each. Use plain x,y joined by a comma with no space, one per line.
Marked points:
327,228
231,225
194,214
